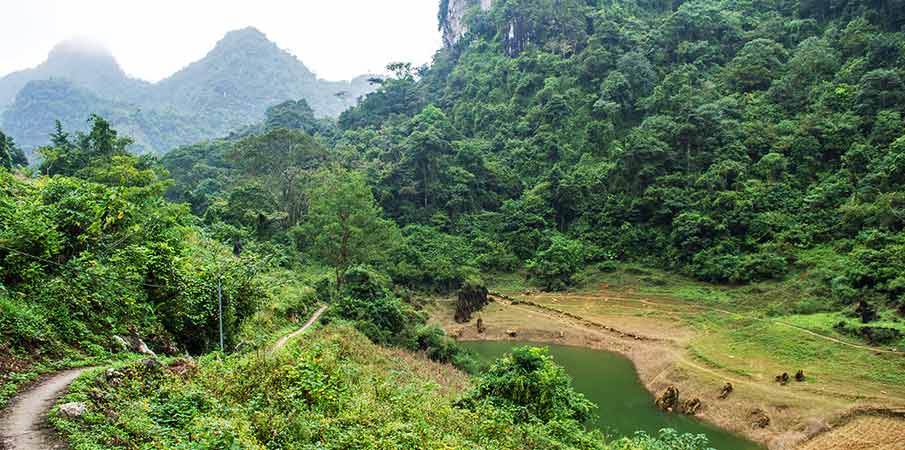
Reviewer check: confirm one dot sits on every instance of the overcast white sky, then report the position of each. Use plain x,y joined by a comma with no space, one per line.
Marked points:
151,39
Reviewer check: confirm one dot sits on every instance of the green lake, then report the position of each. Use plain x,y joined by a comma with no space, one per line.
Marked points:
624,405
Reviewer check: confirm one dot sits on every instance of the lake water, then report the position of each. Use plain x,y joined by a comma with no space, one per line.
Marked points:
624,405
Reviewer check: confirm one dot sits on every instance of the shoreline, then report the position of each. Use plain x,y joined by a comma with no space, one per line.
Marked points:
661,361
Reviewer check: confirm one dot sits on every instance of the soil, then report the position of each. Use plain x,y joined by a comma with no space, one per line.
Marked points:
24,425
285,339
657,347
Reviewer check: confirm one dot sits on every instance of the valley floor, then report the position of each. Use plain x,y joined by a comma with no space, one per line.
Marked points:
698,346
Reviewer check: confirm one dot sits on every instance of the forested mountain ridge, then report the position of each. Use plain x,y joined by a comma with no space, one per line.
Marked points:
229,88
728,141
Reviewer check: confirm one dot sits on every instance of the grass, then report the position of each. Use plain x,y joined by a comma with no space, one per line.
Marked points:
751,340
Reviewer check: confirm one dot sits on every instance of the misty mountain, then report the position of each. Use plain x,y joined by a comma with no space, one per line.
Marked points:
231,87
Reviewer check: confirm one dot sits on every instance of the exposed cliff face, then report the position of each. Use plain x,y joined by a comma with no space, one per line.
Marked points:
452,17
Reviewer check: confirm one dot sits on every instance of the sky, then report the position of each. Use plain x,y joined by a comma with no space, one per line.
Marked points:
152,39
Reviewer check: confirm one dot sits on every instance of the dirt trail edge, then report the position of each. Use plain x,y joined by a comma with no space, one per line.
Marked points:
24,424
285,339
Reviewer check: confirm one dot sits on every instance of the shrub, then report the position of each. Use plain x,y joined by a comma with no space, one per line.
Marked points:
528,382
555,267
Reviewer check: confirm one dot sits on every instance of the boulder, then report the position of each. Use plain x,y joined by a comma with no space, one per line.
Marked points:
759,418
142,348
727,389
783,379
481,327
150,364
512,333
73,410
472,298
669,400
691,407
120,344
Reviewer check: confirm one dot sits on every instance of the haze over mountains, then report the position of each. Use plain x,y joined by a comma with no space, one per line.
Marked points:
230,87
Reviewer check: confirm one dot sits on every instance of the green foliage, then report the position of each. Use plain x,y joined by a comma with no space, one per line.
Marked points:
528,383
10,155
366,301
431,259
720,139
555,267
344,224
87,258
333,390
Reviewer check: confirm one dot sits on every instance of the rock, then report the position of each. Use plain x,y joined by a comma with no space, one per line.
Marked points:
120,344
452,19
481,327
783,379
112,375
512,333
141,347
182,366
73,410
799,376
669,400
151,364
471,299
727,389
759,418
691,407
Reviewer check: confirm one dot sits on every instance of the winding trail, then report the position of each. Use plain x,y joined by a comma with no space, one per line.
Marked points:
24,425
281,342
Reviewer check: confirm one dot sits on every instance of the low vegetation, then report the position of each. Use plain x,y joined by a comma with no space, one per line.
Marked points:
336,390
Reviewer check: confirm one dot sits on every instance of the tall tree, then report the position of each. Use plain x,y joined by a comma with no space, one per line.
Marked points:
345,226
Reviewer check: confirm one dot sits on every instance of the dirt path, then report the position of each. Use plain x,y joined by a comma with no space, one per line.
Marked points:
24,425
285,339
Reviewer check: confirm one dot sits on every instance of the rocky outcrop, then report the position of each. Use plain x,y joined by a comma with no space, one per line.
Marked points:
727,389
452,18
472,298
669,400
692,406
759,418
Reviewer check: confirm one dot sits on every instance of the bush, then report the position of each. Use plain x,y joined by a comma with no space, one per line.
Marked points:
432,259
555,267
528,382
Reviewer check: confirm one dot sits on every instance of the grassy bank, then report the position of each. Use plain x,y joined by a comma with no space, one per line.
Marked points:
333,389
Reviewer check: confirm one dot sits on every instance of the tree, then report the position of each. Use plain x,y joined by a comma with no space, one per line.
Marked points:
530,382
293,115
756,65
556,266
69,158
282,160
10,155
345,226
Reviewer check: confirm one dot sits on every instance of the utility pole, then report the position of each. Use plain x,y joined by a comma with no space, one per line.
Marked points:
220,304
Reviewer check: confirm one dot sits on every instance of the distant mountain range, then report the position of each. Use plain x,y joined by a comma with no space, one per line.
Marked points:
229,88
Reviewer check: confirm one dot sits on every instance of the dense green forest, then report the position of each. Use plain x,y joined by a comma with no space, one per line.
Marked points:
733,141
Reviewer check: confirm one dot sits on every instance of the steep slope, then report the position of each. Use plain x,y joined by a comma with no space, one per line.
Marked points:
230,88
245,74
84,63
40,103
